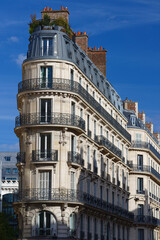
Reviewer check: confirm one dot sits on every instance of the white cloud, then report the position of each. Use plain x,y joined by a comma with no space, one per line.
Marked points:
7,147
13,39
19,60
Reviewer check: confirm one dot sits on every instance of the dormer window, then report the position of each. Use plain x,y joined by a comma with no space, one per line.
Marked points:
133,120
47,46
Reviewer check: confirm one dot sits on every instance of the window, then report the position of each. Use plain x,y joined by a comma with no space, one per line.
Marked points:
45,184
88,154
45,110
140,234
45,224
140,185
140,162
138,137
133,120
72,224
7,158
72,180
45,147
113,198
8,170
93,94
73,108
80,81
112,139
107,195
46,74
88,186
72,75
81,113
101,192
94,128
95,189
47,46
15,170
140,210
87,87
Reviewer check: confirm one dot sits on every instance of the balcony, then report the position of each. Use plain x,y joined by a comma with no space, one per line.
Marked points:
145,145
75,158
101,140
144,168
39,156
142,219
140,192
69,195
21,157
72,86
53,119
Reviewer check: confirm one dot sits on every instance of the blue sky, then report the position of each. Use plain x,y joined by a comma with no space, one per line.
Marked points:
128,29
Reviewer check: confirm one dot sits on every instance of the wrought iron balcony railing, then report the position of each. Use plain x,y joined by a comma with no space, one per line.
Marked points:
53,119
147,220
72,86
101,140
139,144
74,157
69,195
144,168
21,157
40,156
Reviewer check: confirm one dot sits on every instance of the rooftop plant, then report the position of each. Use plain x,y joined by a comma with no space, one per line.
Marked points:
46,21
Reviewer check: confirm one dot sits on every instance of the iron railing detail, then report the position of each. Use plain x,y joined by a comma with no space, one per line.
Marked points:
101,140
38,155
139,144
72,86
74,157
54,119
69,195
147,220
144,168
21,157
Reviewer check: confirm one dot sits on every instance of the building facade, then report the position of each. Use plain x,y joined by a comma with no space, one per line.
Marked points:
144,175
8,175
73,141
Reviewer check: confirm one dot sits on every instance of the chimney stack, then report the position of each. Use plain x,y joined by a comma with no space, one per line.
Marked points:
129,105
82,40
54,14
142,116
149,126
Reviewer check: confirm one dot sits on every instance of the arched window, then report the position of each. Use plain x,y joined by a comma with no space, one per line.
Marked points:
45,224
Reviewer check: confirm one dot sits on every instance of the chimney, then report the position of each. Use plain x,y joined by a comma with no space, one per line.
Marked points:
156,135
98,57
129,105
149,126
54,14
82,40
142,116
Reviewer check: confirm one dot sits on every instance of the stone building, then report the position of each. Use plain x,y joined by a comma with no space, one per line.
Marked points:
144,175
73,141
77,164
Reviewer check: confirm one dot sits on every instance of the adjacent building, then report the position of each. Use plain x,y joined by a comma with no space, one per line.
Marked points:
144,176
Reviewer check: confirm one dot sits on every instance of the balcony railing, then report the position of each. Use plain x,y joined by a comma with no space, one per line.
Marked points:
54,119
72,86
147,220
74,157
21,157
140,191
40,156
101,140
69,195
139,144
144,168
